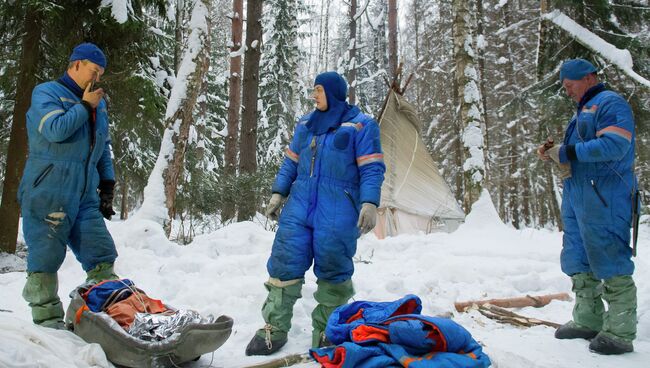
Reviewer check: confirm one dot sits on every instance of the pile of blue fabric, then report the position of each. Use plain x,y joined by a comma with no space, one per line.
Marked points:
395,334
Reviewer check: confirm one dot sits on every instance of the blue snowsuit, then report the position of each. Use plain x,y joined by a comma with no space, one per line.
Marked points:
327,178
597,198
69,152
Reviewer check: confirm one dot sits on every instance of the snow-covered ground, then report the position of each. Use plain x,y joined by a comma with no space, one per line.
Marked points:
223,273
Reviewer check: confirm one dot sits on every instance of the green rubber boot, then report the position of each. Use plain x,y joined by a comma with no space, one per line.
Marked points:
277,312
619,326
41,292
588,310
101,272
329,296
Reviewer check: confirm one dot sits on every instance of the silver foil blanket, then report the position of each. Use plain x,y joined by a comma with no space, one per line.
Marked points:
157,327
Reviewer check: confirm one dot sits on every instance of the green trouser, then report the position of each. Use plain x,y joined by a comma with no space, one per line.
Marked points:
329,296
101,272
589,309
278,307
620,319
41,292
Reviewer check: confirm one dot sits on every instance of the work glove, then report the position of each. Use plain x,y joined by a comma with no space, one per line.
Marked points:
367,218
274,206
553,153
106,198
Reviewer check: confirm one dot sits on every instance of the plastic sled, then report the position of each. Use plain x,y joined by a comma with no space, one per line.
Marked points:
189,343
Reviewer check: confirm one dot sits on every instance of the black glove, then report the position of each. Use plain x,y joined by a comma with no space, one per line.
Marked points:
106,198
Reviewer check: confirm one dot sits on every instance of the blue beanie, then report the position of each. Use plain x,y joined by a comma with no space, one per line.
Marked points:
576,69
89,51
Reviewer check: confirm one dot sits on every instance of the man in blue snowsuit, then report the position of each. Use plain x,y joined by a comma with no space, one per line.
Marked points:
332,175
69,161
596,161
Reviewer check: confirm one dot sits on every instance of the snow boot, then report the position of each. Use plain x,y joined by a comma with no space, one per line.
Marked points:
607,344
277,312
619,326
588,309
103,271
329,296
41,292
571,330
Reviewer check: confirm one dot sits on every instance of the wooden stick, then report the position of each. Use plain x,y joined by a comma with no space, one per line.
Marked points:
505,316
286,361
518,302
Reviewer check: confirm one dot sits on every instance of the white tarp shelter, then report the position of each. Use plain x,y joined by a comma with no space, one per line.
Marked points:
414,197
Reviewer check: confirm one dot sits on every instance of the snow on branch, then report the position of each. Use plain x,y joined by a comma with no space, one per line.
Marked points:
621,58
120,9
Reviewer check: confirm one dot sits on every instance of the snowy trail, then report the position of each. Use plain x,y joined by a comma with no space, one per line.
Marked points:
223,273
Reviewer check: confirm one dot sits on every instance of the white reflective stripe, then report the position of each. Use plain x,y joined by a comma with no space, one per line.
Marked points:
371,160
357,126
47,116
65,99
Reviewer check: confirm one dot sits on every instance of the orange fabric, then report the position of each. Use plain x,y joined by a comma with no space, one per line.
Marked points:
407,361
406,308
80,311
123,312
336,362
356,316
366,332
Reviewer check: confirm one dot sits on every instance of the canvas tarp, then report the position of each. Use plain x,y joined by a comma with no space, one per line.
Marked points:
414,196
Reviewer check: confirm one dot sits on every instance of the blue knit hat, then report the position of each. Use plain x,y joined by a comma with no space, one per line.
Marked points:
89,51
576,69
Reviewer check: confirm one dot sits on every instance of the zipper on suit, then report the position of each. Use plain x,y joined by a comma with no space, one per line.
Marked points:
593,185
347,194
42,175
312,145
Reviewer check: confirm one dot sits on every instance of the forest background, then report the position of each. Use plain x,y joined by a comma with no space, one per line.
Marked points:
203,95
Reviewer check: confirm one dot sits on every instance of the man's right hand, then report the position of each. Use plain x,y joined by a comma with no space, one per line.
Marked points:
274,206
541,152
93,97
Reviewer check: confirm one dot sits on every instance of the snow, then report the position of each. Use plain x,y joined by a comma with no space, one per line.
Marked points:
119,9
223,272
621,58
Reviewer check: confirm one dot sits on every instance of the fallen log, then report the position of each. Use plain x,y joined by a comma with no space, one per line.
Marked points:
286,361
518,302
505,316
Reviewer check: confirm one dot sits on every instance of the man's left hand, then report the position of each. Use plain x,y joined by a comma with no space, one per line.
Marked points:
367,218
106,198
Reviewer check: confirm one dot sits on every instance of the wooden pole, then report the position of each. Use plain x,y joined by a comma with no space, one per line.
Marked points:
518,302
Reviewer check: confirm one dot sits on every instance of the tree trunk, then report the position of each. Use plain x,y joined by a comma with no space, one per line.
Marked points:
392,37
183,118
352,71
178,34
124,206
469,103
248,143
234,106
17,151
178,119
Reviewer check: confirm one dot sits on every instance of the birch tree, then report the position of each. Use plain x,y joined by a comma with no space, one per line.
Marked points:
160,192
468,102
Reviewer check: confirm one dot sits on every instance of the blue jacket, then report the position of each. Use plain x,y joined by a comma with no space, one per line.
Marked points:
394,334
67,154
597,199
